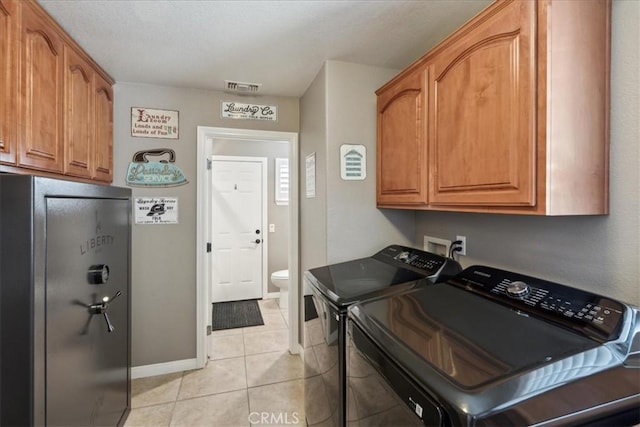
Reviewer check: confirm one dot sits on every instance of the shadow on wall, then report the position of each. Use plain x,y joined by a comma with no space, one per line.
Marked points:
586,251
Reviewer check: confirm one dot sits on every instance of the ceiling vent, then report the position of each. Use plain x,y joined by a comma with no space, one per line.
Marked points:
241,87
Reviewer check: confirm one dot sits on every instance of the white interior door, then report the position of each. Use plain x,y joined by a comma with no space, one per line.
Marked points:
237,234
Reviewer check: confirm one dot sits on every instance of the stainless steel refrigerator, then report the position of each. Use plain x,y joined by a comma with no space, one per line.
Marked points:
65,356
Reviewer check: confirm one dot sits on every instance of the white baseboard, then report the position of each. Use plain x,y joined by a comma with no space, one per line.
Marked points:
272,295
163,368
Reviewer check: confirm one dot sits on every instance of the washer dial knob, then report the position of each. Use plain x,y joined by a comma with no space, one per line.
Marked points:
518,289
403,256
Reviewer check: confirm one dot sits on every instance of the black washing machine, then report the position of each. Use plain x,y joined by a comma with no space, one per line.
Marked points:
334,289
494,348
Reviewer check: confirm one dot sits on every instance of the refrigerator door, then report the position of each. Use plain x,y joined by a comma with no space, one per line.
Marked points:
86,364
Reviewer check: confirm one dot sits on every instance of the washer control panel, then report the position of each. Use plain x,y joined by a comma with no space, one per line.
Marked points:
422,260
593,315
433,266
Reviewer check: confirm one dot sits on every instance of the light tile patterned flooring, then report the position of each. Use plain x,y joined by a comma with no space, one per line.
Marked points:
251,379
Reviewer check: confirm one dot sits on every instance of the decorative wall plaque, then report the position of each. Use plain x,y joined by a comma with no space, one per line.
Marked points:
155,168
156,210
239,110
353,162
152,123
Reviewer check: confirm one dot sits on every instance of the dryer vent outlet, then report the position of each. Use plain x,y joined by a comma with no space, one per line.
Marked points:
437,245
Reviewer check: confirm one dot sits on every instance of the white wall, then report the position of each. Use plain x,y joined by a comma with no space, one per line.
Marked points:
355,228
164,257
599,253
313,137
340,108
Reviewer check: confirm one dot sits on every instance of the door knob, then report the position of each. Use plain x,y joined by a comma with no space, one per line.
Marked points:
256,241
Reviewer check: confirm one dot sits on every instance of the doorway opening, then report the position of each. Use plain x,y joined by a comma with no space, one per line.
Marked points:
210,139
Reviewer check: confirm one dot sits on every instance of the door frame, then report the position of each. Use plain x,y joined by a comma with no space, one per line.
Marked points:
263,223
206,137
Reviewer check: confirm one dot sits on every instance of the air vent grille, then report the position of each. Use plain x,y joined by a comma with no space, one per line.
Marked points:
242,87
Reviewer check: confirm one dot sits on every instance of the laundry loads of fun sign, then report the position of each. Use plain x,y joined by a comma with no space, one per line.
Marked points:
152,123
156,210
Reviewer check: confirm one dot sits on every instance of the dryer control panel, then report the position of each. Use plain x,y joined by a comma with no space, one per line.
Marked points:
592,315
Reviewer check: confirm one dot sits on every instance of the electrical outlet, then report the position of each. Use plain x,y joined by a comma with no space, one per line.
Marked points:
462,245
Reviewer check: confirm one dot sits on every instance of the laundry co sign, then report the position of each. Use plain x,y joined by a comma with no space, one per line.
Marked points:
238,110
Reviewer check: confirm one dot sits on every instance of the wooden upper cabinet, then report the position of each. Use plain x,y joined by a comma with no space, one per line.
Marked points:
401,149
56,104
9,44
78,112
41,141
516,115
574,59
482,115
103,130
88,120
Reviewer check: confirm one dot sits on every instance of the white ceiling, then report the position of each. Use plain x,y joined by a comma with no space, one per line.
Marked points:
279,44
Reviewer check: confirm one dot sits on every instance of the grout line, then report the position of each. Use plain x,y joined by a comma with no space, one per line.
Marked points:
173,412
202,396
276,382
179,387
284,352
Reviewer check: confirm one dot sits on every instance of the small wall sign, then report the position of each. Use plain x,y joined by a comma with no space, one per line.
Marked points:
154,168
152,123
353,162
239,110
156,210
310,163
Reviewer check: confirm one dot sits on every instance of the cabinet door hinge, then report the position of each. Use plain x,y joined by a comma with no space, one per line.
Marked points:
208,246
208,164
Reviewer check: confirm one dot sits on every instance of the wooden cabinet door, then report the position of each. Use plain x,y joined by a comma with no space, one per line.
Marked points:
482,115
78,115
401,150
9,44
103,130
41,139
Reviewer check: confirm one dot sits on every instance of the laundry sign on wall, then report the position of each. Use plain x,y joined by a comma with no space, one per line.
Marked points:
156,210
239,110
153,123
353,162
155,168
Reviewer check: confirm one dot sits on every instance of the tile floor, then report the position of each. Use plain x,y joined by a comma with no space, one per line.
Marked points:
251,379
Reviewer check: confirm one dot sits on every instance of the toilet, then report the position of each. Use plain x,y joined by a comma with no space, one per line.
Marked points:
280,279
